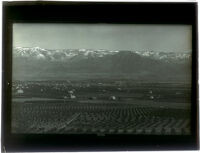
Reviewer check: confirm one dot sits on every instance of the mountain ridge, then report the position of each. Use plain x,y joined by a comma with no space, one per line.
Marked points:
86,63
65,54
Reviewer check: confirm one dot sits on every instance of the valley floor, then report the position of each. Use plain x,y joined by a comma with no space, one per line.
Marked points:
102,118
101,108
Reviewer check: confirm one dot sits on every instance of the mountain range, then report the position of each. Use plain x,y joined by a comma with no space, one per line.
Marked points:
37,63
64,54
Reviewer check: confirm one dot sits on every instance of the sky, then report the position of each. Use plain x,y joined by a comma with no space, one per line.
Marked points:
176,38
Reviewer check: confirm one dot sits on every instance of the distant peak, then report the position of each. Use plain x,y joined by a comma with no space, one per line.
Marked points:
64,54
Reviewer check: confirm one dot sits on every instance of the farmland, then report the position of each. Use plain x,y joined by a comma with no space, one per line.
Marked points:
101,107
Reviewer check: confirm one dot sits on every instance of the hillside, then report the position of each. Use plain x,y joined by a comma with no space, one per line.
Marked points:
37,63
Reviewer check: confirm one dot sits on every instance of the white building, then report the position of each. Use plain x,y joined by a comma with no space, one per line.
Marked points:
151,97
150,91
113,98
72,96
71,92
20,91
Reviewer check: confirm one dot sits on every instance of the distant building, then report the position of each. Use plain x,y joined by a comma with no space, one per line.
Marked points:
65,97
20,91
72,96
151,97
71,92
113,98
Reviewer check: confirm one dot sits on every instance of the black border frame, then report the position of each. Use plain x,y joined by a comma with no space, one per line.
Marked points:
95,12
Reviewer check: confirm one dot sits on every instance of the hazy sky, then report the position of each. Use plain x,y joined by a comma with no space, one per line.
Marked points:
104,36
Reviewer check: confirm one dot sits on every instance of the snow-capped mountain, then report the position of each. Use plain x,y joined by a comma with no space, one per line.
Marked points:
31,63
64,54
165,55
59,54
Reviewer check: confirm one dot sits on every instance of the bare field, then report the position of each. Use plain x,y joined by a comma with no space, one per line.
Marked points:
76,118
